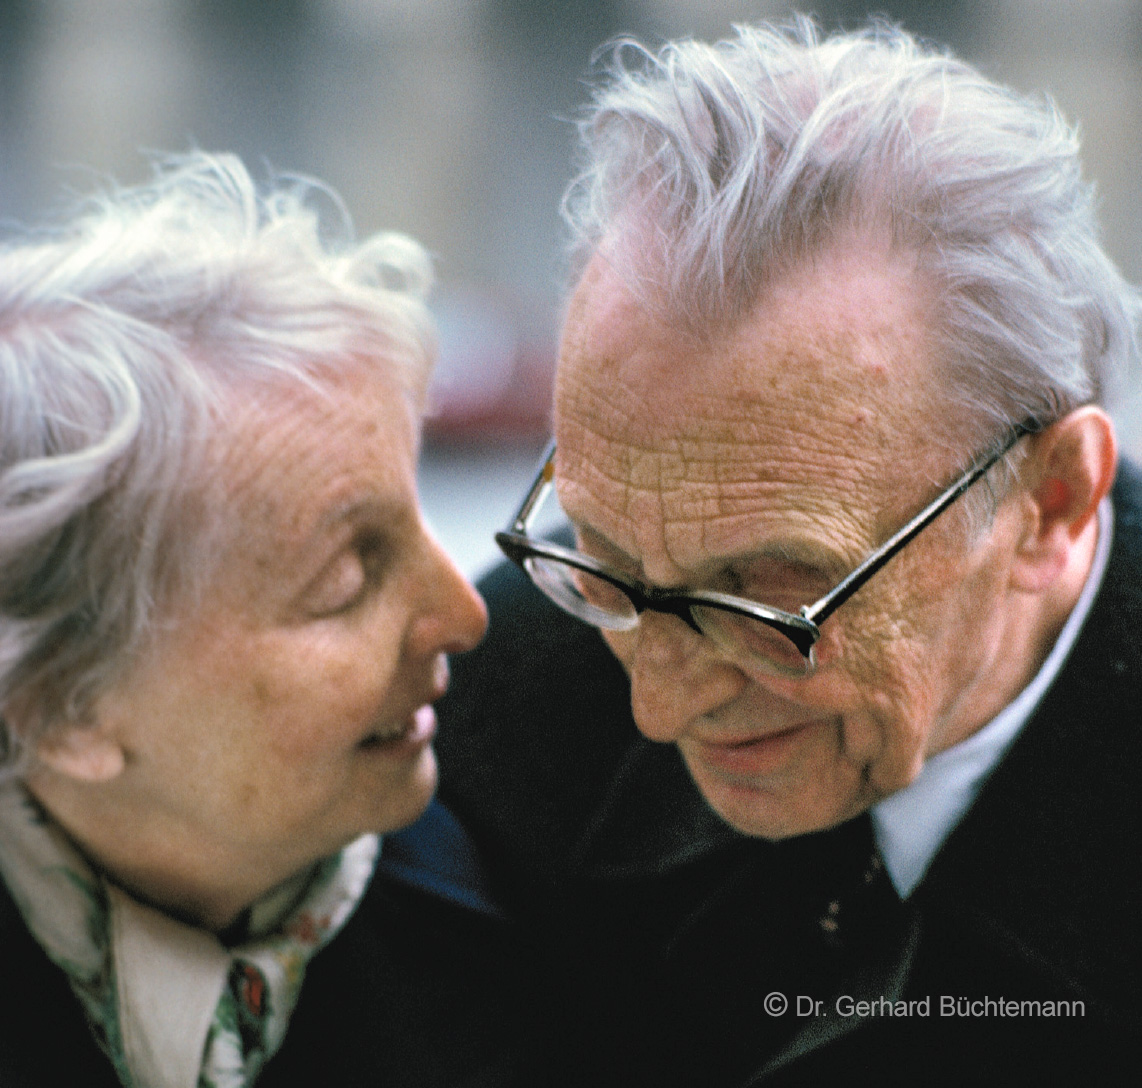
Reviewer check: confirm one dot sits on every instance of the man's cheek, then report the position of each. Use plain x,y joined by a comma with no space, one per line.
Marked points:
622,645
900,761
888,745
884,726
862,739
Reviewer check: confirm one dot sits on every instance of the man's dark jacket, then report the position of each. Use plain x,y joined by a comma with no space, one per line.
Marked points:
421,989
666,934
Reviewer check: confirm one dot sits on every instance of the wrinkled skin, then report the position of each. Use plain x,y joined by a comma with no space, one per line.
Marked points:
767,462
286,712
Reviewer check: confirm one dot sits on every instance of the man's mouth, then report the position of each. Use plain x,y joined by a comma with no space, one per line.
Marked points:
752,755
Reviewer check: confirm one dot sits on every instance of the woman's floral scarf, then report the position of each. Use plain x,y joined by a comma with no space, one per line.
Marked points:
170,1005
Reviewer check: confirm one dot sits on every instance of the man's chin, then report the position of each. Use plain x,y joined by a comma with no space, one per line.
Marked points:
781,810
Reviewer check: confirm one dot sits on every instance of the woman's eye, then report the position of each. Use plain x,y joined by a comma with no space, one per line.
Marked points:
338,586
349,577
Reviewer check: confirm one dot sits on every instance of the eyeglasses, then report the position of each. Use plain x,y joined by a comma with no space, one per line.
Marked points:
758,635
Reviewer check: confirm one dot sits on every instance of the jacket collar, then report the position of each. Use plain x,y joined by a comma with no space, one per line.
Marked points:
1052,841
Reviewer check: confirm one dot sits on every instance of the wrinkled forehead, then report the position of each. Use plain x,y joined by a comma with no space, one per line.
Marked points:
826,389
286,454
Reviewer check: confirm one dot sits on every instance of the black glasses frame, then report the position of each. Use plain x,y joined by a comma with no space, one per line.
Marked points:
802,628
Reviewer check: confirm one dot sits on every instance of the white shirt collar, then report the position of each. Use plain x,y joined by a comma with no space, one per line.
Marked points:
911,825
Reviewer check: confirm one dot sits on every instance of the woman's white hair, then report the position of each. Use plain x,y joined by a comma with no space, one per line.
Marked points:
122,332
710,169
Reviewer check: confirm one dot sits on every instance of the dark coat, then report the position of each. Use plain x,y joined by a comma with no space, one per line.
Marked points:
665,931
419,990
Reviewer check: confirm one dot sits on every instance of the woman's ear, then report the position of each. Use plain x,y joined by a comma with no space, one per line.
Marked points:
81,751
1067,473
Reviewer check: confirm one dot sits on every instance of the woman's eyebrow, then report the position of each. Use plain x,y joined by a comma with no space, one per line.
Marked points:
361,508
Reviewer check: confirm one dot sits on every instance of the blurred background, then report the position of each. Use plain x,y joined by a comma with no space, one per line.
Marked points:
452,120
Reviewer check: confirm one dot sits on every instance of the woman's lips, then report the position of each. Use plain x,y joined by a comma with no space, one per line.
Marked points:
753,756
407,738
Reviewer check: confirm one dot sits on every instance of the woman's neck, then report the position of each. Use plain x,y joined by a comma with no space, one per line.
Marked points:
194,882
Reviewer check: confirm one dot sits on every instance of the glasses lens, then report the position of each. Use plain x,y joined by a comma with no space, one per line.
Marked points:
751,641
585,595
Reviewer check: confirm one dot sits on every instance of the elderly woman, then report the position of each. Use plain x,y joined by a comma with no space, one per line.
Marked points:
222,624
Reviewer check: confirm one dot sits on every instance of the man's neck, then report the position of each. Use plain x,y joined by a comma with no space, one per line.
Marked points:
912,824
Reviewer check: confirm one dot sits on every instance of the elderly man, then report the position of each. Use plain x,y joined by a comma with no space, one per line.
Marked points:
827,430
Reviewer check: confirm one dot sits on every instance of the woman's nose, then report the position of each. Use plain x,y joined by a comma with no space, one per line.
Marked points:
675,676
454,618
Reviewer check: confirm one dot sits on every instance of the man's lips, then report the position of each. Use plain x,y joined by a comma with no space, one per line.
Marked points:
753,755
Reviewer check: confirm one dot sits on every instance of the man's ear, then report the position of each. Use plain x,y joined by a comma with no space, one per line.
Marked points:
1067,473
81,751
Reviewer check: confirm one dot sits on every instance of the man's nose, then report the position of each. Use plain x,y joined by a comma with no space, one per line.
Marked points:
676,676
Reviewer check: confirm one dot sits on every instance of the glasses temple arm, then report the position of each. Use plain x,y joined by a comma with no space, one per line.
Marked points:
827,605
539,488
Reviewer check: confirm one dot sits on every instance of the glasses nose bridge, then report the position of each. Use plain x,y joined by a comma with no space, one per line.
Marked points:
651,599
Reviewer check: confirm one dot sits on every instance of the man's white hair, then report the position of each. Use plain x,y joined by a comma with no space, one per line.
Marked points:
122,333
711,169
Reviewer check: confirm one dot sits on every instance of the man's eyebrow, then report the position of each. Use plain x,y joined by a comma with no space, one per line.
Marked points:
585,529
810,557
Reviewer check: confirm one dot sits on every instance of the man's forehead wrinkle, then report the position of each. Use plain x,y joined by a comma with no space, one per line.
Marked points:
815,531
661,502
692,474
647,516
598,396
796,431
715,433
593,477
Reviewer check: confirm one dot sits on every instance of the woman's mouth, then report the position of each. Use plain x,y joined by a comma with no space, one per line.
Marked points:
400,738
